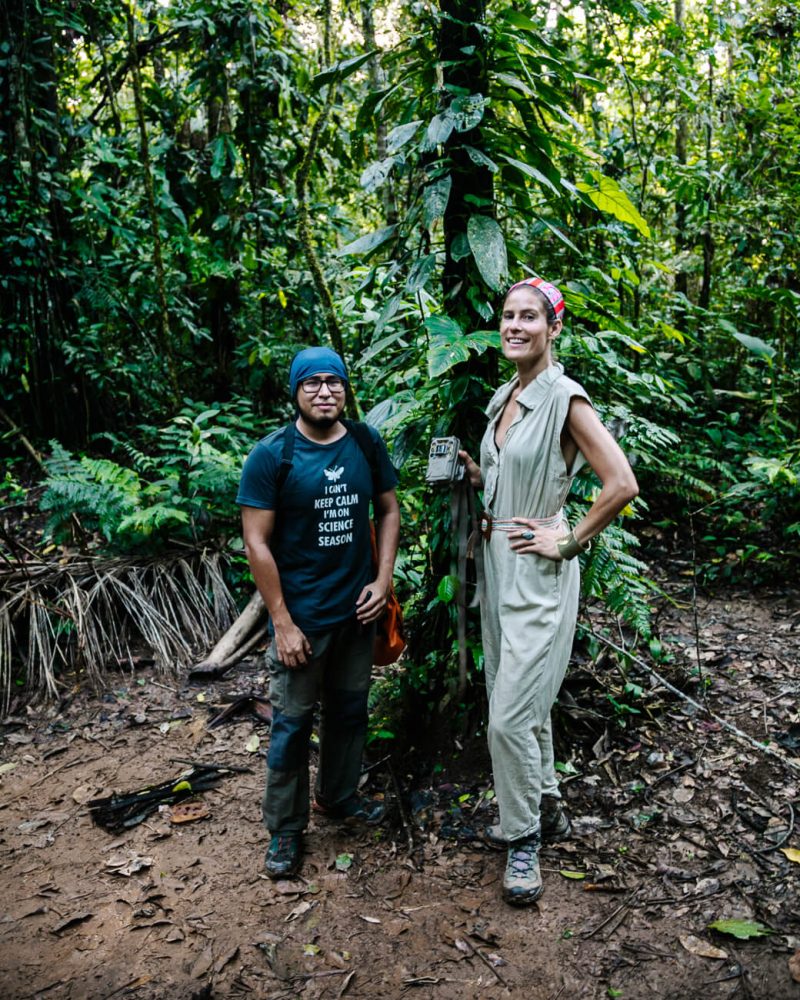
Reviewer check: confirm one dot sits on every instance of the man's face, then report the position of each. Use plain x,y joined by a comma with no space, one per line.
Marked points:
320,399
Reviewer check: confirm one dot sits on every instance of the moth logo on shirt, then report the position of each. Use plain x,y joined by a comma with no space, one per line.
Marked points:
334,475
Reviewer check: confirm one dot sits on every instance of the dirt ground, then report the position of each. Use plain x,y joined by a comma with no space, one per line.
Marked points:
678,825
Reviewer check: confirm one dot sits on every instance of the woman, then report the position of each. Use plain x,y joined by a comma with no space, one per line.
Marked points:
542,428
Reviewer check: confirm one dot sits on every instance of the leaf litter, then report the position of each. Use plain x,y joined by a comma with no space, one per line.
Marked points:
680,862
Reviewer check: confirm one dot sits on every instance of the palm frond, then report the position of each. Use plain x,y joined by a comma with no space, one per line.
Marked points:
91,615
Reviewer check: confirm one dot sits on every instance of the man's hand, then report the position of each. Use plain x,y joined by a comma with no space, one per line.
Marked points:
294,649
371,602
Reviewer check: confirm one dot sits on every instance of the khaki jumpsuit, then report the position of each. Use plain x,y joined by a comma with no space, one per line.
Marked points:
530,604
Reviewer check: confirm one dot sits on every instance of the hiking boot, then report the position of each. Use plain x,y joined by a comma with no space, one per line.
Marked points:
522,882
355,810
284,854
555,824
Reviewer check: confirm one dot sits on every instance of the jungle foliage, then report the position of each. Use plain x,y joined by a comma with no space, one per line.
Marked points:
190,190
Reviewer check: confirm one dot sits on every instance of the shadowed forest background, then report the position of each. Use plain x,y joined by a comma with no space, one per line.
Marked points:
192,190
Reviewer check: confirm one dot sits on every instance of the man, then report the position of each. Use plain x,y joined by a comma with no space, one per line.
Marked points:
305,516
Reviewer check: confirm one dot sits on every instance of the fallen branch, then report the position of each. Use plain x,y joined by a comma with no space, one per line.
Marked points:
685,697
238,640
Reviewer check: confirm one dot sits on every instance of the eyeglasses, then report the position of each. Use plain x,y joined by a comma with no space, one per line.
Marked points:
313,385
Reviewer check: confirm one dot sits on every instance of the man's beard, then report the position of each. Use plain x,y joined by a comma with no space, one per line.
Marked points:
321,421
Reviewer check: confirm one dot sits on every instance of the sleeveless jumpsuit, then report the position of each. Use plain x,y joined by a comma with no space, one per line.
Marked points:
530,604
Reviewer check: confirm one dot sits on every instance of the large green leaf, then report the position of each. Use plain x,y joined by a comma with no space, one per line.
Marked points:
521,21
447,589
459,248
444,354
376,174
443,326
439,131
467,112
483,339
378,347
369,105
341,69
435,198
420,273
387,313
219,154
481,159
366,244
610,198
449,346
558,234
400,135
489,250
757,346
514,83
526,168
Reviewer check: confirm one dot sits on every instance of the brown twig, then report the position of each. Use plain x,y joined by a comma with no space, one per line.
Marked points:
622,906
401,809
216,767
485,961
25,442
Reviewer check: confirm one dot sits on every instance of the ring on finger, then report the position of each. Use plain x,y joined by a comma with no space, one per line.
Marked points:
528,535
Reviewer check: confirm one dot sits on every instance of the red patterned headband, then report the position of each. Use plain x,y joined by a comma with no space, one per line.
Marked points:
550,292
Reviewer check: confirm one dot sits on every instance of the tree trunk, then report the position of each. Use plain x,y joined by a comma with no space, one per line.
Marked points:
463,57
38,283
376,82
708,235
164,340
681,135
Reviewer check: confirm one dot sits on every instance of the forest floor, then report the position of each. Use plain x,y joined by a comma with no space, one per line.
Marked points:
678,824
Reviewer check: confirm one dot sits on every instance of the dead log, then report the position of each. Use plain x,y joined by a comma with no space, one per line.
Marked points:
240,639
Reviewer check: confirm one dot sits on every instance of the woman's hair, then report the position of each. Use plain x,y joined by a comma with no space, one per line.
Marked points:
548,293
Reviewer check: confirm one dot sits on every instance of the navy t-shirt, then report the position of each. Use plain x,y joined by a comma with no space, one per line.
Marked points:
321,540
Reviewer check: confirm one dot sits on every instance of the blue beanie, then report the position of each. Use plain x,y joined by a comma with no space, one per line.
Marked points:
313,361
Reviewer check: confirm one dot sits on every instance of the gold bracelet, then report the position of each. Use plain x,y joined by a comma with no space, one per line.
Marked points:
569,546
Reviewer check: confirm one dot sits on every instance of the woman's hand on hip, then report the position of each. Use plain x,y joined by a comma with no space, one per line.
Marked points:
533,539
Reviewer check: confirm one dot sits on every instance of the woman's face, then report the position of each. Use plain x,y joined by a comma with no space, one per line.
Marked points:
525,333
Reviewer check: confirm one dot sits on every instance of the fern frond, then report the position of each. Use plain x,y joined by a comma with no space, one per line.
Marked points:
615,576
99,491
150,519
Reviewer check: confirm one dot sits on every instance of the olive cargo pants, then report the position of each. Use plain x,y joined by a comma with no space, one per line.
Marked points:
338,677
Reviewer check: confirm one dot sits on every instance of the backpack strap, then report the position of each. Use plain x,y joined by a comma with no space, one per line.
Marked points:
368,445
286,458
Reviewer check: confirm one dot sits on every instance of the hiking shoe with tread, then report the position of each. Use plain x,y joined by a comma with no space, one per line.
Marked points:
555,824
284,854
354,811
522,881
